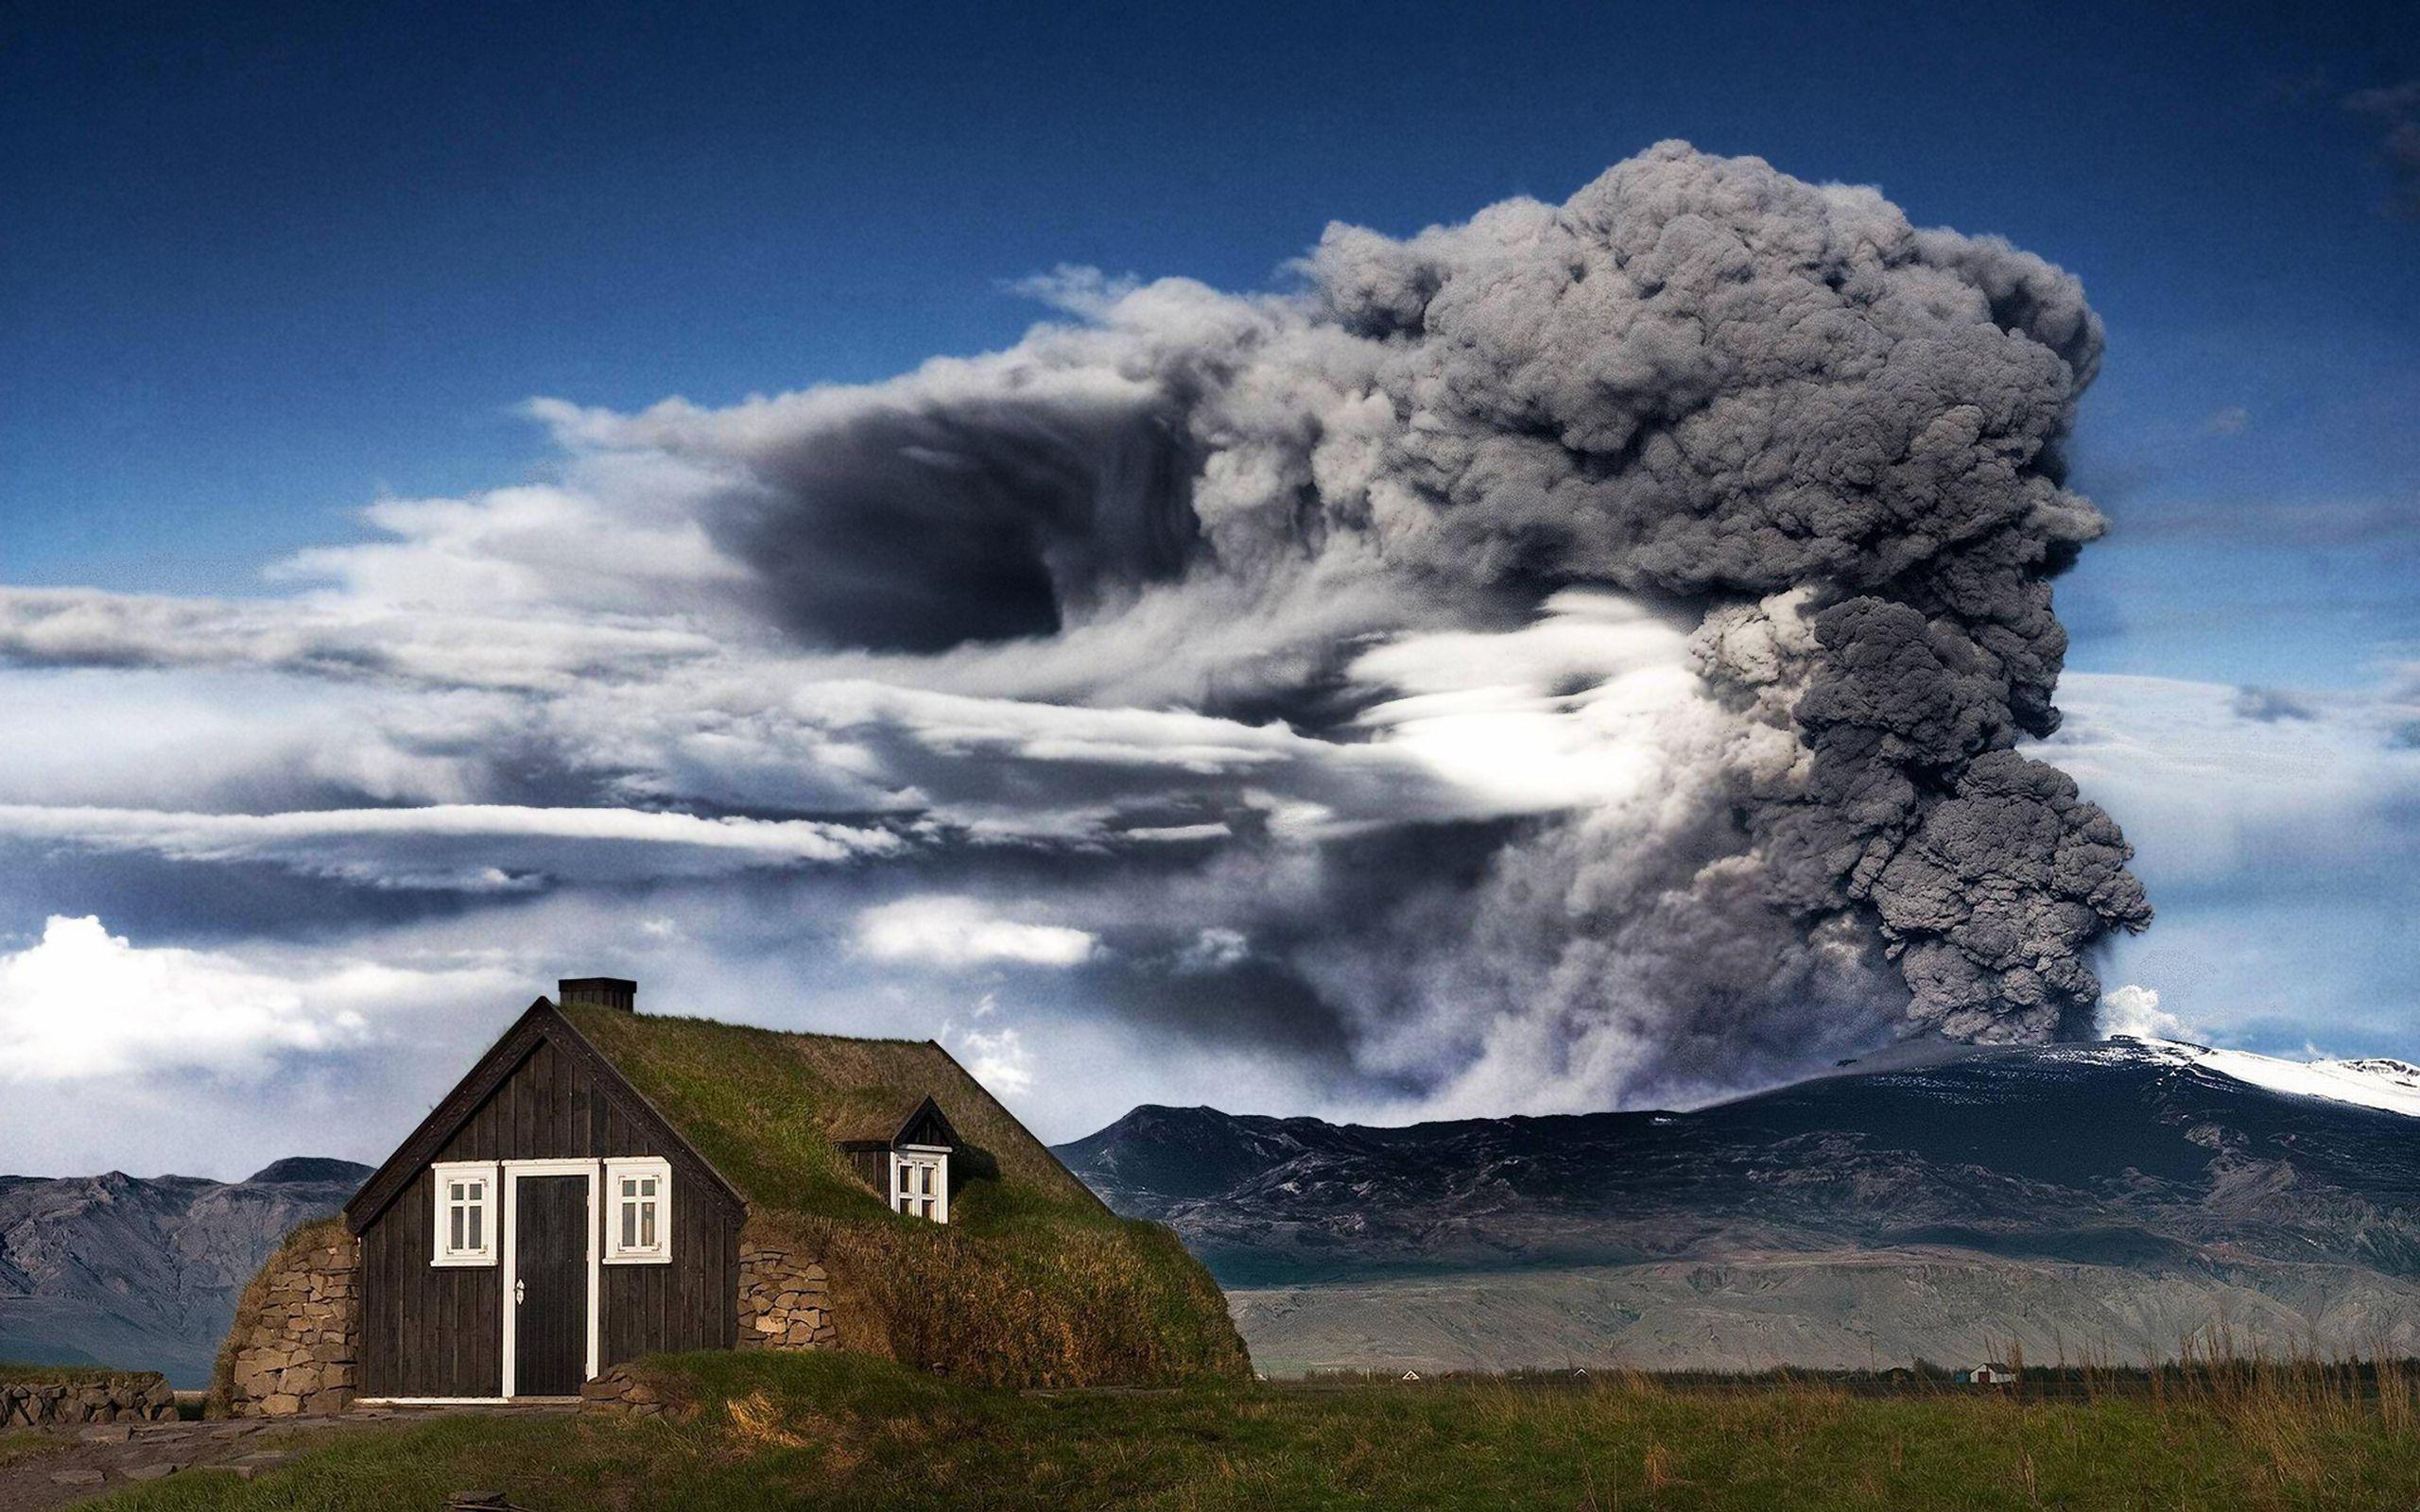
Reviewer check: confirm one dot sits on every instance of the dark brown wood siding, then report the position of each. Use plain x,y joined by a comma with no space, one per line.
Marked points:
692,1302
431,1331
426,1331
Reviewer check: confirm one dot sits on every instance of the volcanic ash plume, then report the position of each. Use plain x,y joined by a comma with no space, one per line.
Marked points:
1826,445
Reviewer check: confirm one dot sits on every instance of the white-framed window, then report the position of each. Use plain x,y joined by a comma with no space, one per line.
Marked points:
920,1181
638,1212
465,1228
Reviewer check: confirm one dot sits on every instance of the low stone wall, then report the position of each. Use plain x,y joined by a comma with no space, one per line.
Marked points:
621,1392
296,1346
136,1397
784,1301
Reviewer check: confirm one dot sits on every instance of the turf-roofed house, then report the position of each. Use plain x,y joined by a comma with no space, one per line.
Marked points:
605,1185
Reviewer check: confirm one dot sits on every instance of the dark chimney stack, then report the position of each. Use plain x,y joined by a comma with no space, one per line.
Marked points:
598,991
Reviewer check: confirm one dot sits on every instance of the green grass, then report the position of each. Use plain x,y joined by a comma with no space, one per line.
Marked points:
17,1448
839,1432
19,1372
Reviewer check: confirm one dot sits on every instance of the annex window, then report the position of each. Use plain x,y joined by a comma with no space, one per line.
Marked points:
466,1227
638,1212
920,1182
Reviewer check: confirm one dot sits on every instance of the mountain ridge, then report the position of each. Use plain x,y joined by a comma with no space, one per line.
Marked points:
2058,1179
143,1272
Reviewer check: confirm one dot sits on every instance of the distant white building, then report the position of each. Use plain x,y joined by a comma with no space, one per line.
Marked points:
1991,1373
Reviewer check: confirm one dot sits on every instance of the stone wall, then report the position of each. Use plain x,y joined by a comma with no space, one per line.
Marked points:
135,1397
621,1392
295,1347
785,1302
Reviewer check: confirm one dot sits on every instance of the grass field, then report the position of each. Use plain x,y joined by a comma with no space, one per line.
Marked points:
14,1371
18,1446
843,1431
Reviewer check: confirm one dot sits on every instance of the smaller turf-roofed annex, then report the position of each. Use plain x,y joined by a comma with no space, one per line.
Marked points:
605,1184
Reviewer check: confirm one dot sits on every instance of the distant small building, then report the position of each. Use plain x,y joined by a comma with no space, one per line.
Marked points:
1409,1375
1991,1373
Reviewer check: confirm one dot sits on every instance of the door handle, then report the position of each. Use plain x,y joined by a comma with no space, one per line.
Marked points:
519,1293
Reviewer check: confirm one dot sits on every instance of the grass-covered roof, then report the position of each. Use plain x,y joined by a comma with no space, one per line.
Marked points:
1033,1282
768,1109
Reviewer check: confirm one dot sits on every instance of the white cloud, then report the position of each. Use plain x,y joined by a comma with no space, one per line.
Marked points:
1214,950
955,932
1583,708
2207,790
473,847
2134,1010
998,1059
83,1004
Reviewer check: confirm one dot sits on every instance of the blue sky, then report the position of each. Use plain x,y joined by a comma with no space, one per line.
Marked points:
264,264
263,268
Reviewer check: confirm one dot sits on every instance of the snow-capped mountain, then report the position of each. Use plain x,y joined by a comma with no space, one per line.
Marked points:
2392,1086
2109,1197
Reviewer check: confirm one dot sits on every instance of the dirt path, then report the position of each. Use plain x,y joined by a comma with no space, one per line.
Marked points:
92,1461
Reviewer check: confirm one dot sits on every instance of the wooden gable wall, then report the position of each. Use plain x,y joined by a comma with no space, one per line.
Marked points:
430,1330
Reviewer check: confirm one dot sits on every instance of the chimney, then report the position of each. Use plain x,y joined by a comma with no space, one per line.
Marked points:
598,991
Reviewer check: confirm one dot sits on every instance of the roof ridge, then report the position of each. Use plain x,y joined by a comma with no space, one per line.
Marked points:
762,1028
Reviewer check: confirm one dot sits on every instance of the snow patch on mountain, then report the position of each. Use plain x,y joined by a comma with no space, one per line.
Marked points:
2389,1086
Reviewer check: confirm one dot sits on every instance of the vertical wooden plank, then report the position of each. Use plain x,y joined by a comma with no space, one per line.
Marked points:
370,1362
516,1113
728,1302
566,1083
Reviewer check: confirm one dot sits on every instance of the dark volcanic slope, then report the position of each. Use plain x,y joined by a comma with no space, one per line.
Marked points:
2119,1154
144,1273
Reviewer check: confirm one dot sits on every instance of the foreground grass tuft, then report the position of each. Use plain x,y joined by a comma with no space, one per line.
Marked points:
20,1372
17,1448
841,1432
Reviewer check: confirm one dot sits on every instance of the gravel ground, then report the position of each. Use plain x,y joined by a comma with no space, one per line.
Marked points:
94,1460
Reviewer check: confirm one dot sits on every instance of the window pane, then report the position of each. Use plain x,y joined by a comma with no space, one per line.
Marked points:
630,1226
647,1226
647,1186
455,1244
478,1217
630,1186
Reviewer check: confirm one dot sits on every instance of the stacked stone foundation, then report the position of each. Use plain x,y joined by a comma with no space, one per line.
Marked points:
622,1392
135,1397
298,1353
784,1301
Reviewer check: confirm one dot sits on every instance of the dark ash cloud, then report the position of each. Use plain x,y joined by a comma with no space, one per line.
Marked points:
1772,408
